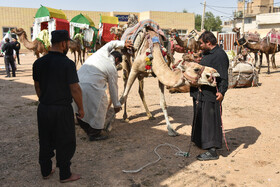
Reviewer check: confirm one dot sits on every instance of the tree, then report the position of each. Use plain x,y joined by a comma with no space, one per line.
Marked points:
211,22
198,22
185,11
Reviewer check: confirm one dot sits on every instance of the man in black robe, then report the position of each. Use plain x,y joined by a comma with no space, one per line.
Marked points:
207,101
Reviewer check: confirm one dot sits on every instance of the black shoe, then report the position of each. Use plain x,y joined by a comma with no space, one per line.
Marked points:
208,155
98,138
8,76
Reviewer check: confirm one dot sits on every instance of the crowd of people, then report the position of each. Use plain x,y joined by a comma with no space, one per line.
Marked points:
58,83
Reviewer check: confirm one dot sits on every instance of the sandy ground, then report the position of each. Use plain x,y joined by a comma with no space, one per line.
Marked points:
250,117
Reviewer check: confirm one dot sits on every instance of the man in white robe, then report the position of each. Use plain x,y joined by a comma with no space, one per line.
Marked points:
98,71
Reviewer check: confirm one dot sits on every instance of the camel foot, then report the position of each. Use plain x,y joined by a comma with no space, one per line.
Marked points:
152,118
125,120
172,132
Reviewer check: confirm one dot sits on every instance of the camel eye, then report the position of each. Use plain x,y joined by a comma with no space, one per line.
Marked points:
196,69
207,76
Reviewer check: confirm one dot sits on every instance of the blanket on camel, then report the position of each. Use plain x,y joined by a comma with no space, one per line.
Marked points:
132,32
274,36
43,37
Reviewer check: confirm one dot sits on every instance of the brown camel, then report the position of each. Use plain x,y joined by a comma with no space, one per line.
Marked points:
36,46
76,46
188,73
263,46
189,43
241,50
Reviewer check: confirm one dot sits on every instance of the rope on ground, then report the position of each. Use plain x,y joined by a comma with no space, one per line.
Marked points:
178,153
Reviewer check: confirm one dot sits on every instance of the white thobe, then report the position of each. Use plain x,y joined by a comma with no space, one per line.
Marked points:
94,75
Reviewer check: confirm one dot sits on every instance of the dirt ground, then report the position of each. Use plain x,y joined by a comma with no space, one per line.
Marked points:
250,118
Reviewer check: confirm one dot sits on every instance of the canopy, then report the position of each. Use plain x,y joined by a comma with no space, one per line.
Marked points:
50,12
81,20
106,22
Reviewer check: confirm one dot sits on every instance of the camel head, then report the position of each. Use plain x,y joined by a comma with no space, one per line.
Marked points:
241,41
237,30
18,31
192,57
132,20
197,74
118,31
172,31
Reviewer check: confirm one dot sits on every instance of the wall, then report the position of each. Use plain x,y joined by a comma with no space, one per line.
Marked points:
24,18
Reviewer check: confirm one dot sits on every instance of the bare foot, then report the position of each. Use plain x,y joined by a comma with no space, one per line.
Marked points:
73,177
52,172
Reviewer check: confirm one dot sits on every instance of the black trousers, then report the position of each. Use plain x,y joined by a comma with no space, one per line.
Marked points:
88,129
17,53
56,132
9,60
207,125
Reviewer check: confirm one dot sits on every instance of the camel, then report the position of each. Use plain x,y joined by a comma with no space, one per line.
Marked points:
189,44
76,46
36,46
135,66
240,49
263,46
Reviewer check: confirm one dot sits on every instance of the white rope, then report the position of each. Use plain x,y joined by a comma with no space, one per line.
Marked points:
178,153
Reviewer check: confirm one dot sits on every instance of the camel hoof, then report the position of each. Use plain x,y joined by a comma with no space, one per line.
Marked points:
125,120
172,133
152,118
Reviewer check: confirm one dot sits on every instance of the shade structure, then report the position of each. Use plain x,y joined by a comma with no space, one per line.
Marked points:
106,22
49,19
84,23
50,12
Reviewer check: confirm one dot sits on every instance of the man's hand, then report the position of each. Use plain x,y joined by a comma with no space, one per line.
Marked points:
117,109
128,44
80,114
220,96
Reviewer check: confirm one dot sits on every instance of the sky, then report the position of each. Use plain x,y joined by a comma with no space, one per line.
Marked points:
222,8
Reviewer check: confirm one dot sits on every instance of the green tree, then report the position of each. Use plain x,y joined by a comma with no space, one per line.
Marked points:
211,23
198,22
185,11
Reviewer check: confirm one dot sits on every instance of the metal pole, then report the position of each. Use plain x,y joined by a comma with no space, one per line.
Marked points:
203,16
243,17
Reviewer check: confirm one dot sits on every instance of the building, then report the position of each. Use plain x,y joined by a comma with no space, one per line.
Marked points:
260,15
12,17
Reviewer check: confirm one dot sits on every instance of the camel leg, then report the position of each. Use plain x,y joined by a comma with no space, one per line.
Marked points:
75,58
171,131
256,60
141,93
273,61
260,65
131,78
268,64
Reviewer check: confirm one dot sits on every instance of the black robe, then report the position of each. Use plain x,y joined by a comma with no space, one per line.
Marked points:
207,130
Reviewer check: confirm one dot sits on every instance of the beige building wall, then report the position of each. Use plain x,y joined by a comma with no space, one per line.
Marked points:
24,18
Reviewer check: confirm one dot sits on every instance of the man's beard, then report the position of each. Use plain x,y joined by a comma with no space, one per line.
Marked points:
65,51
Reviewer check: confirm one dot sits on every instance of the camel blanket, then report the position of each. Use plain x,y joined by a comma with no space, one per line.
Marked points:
43,37
253,37
274,37
132,32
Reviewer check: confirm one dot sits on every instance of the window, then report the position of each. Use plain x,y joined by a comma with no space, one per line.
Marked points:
6,30
248,20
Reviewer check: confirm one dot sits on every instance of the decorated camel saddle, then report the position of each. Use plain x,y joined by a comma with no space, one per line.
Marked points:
274,36
43,37
138,33
252,37
242,73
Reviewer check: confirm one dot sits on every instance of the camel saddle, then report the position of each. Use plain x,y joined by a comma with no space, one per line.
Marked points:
253,37
242,74
274,36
